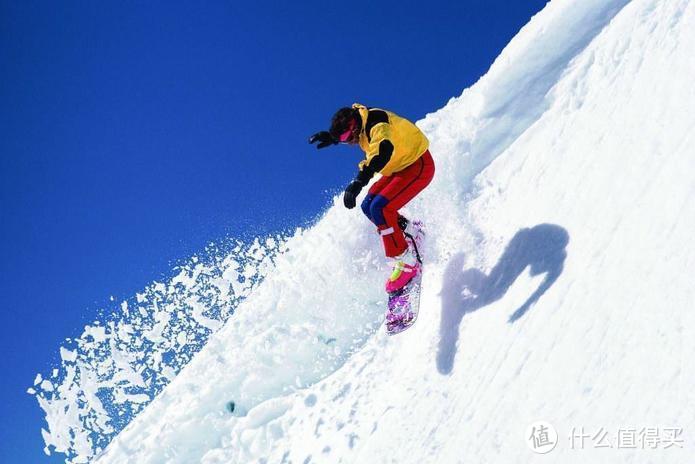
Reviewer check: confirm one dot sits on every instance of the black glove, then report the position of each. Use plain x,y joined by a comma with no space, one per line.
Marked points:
351,192
325,139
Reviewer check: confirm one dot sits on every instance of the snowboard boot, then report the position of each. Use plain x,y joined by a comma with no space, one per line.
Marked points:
405,268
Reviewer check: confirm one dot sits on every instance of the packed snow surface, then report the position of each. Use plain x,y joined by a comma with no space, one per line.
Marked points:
558,286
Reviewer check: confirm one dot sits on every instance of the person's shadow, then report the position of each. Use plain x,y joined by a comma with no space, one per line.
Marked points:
541,247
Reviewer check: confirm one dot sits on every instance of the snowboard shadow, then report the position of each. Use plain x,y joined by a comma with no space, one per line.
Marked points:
541,247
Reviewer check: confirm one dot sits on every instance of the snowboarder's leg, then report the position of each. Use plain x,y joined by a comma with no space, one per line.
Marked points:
386,220
402,187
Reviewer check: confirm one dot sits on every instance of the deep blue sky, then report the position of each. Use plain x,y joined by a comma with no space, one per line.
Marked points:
133,133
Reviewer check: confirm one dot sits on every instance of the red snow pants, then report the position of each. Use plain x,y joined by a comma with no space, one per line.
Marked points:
389,194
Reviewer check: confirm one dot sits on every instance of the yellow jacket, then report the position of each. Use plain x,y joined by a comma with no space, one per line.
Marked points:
407,142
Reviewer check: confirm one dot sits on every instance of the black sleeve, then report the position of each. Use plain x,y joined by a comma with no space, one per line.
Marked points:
377,163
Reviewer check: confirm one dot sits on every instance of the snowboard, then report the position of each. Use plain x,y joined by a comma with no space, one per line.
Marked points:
404,303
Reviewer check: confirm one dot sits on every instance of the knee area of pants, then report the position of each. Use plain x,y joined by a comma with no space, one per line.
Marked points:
377,206
367,206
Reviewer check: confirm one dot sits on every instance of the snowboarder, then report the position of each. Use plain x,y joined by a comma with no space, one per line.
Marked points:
398,150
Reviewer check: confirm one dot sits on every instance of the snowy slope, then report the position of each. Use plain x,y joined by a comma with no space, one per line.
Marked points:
558,285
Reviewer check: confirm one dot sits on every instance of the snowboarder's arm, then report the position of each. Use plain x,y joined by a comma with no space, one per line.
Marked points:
368,167
376,163
379,151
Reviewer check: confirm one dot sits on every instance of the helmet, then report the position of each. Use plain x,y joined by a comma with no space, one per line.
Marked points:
345,125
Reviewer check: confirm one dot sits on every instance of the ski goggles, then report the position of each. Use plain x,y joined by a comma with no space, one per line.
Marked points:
347,135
